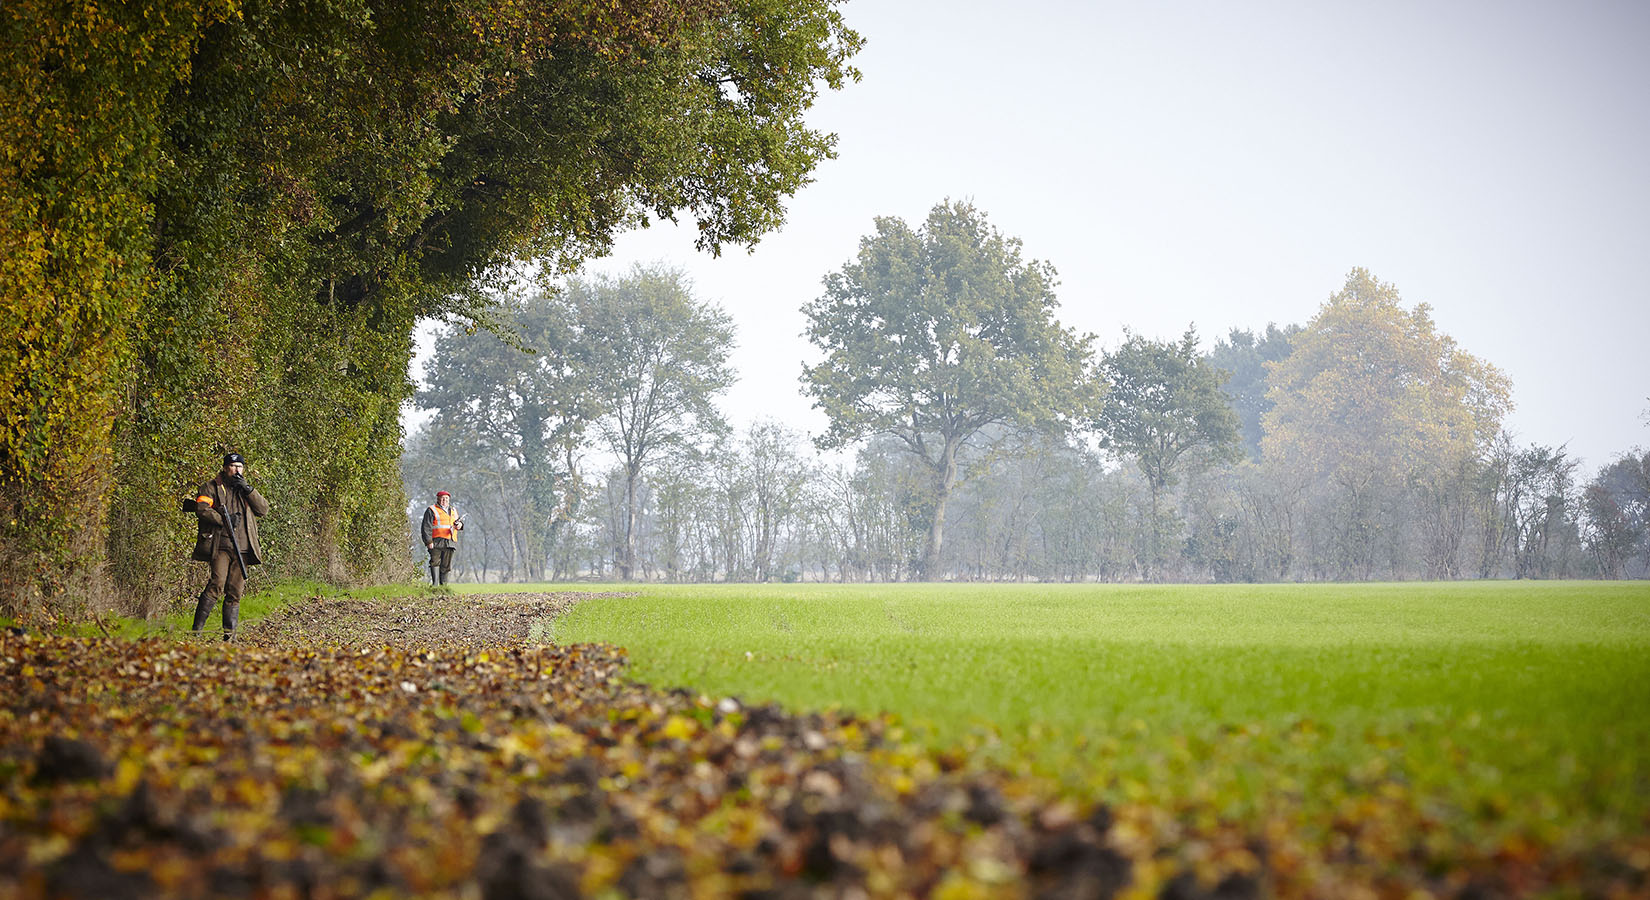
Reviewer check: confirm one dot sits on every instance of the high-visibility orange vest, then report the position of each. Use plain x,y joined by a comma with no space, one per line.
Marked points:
443,527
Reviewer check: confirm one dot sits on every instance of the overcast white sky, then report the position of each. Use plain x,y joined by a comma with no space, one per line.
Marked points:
1226,164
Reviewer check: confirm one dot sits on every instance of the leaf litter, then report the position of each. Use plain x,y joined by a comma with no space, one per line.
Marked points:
423,747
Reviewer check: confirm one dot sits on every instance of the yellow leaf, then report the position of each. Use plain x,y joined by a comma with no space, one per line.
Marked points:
680,728
127,774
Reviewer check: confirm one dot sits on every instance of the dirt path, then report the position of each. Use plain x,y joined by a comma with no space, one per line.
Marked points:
460,620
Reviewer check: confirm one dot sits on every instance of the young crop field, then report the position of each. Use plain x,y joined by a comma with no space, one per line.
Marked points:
1479,713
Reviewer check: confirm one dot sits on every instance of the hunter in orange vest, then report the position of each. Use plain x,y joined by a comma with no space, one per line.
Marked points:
440,530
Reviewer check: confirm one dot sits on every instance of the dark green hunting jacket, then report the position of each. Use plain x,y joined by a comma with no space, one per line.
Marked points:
213,498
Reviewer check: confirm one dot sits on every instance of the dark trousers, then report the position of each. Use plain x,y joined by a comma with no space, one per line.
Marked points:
224,578
441,564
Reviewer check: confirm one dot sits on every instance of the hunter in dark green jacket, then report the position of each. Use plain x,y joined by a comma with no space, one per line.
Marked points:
227,498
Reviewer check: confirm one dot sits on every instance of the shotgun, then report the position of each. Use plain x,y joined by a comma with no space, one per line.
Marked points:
234,539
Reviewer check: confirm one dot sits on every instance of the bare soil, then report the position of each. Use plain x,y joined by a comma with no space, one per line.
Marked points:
431,620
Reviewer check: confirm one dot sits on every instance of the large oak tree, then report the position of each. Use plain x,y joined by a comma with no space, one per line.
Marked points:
931,335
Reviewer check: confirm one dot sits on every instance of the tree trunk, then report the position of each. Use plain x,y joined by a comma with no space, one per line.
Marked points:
509,527
1157,529
946,478
627,560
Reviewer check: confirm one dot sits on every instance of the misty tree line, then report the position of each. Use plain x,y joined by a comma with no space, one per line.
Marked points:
990,442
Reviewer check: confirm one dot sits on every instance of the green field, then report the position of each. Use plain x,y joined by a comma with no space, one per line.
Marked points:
1481,708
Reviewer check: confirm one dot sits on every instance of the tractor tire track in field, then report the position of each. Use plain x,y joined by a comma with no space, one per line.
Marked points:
425,748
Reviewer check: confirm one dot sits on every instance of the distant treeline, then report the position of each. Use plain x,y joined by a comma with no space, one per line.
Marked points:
220,222
992,443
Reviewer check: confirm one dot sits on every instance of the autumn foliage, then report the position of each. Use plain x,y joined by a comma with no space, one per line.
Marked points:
81,93
220,221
